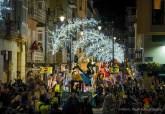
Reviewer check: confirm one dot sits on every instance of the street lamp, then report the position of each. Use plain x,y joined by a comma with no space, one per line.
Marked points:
69,60
70,57
99,28
62,18
81,33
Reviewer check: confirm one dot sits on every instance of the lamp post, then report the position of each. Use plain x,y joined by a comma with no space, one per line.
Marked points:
70,55
47,25
70,50
46,34
113,51
70,46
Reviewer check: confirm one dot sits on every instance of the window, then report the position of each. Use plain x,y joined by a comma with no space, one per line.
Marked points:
157,12
148,59
158,38
73,13
40,40
25,3
25,12
40,37
133,11
80,7
40,5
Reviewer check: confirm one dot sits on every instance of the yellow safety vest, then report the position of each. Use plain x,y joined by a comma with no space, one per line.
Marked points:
57,88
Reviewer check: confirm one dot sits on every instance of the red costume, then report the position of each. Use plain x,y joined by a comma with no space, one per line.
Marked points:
103,71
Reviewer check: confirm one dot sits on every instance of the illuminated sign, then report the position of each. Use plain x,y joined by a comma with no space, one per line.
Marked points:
46,70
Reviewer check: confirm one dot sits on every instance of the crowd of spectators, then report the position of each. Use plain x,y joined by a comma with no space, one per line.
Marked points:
34,97
132,97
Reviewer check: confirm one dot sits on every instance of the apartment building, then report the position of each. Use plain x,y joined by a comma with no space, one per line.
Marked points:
13,37
35,56
130,32
150,30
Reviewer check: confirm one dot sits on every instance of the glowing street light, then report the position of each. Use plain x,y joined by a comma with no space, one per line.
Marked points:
99,27
114,38
81,33
62,18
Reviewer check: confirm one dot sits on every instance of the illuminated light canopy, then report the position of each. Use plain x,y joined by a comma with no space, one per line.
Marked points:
93,42
67,31
99,46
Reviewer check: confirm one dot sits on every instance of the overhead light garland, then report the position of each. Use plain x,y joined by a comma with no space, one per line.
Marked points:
92,41
99,46
67,31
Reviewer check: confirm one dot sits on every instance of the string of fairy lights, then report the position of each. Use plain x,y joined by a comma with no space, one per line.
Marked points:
93,42
67,30
100,46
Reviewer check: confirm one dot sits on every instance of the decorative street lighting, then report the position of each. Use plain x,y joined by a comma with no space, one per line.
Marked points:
62,18
114,38
99,27
81,33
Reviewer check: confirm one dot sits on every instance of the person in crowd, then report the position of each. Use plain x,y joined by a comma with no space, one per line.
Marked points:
55,109
109,105
86,107
57,91
44,106
72,105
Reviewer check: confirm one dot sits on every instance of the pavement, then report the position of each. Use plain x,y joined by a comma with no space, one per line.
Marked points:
97,110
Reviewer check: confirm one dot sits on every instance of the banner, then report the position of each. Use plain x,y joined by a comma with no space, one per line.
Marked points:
47,70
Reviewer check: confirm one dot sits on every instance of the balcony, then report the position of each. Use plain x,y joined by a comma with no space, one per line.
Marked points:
24,30
72,3
10,31
35,56
38,15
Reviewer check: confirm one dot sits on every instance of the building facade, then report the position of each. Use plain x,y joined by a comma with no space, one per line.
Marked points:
13,37
130,33
35,56
43,15
150,30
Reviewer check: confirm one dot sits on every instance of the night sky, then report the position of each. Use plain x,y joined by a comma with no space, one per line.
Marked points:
113,10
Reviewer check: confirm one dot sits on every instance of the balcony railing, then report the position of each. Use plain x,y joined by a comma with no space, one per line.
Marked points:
10,30
35,56
37,14
72,3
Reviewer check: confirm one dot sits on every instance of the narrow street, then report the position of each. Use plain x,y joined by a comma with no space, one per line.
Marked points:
82,57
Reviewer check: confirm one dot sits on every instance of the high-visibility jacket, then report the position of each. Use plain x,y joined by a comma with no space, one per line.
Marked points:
44,109
57,88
